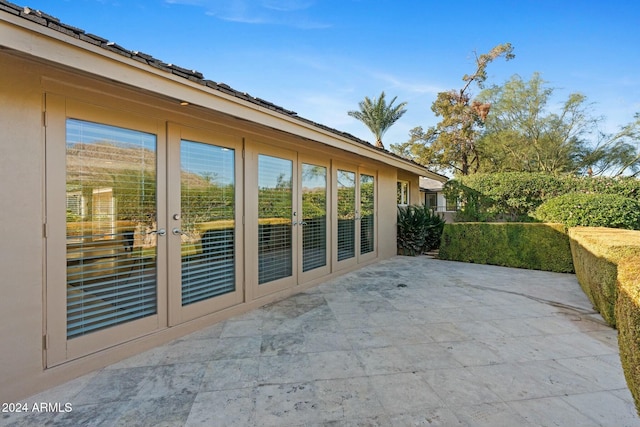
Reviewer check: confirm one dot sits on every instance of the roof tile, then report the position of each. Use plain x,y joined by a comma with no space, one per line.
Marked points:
10,7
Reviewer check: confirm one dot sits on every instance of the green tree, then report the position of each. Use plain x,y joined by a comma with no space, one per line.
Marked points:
615,154
521,134
452,143
378,116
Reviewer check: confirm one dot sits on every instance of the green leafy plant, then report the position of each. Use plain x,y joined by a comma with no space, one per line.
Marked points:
514,196
591,210
419,229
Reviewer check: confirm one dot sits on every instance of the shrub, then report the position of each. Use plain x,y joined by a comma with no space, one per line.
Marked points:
419,229
509,196
591,210
514,196
523,245
596,253
628,323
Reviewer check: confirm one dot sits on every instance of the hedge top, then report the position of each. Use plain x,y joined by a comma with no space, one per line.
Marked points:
610,243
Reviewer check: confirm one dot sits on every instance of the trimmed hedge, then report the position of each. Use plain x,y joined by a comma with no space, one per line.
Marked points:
591,210
534,246
513,196
628,321
596,253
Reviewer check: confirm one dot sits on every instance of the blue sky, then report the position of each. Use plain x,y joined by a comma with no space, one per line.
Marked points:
321,57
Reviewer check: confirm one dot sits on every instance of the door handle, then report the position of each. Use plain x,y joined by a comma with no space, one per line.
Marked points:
177,232
160,232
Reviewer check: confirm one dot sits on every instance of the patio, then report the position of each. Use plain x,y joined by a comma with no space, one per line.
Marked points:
407,341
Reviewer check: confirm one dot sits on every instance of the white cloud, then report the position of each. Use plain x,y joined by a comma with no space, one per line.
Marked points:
406,85
289,13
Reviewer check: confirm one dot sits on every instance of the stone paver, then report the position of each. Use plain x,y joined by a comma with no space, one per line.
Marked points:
407,341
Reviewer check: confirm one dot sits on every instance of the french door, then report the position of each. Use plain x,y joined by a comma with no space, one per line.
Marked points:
106,237
143,226
355,212
204,229
287,226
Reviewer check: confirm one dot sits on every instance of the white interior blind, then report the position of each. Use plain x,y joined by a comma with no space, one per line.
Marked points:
207,198
111,213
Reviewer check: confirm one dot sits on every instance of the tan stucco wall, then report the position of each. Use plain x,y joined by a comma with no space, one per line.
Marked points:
23,83
387,212
21,207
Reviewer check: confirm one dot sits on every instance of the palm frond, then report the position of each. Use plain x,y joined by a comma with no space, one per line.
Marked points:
377,115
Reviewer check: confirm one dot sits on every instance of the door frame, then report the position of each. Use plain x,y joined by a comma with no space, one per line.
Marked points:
177,312
253,149
373,254
307,276
59,348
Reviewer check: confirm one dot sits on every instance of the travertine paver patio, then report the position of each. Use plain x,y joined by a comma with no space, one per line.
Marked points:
408,341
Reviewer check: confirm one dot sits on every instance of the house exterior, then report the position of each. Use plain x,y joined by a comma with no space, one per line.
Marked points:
432,194
142,202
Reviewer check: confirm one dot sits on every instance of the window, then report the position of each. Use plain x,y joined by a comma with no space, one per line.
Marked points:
346,214
314,217
207,200
275,210
431,201
367,217
403,192
111,220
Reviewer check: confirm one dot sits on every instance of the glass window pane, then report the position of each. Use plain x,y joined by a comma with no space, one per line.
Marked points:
403,193
275,202
314,217
111,216
367,208
207,200
346,214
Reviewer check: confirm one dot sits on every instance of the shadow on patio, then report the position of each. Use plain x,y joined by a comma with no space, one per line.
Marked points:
408,341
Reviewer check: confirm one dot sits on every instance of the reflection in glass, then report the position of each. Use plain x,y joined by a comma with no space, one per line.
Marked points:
367,207
207,200
111,219
314,217
275,202
346,214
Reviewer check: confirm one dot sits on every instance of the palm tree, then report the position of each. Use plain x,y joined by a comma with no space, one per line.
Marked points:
378,116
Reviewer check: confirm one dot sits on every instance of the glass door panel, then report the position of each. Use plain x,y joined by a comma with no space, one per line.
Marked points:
111,226
346,187
367,209
207,233
314,216
275,210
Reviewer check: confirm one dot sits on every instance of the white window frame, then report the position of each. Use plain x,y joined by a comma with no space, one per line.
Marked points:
403,192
